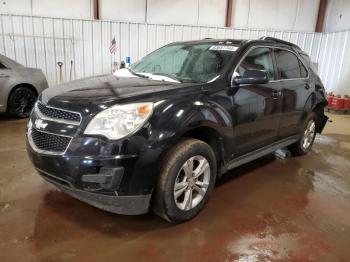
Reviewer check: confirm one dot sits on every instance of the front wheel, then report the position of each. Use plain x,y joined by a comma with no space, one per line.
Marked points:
21,102
186,180
308,135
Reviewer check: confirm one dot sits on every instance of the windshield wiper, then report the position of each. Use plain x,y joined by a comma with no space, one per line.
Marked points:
137,74
172,76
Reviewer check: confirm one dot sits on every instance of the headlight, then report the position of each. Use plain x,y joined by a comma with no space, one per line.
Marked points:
119,121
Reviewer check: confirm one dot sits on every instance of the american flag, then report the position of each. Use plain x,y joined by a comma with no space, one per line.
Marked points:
113,46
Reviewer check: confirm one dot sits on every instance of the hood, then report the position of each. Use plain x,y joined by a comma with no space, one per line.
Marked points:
105,89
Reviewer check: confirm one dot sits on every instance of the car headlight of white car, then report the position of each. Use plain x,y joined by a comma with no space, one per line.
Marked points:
120,121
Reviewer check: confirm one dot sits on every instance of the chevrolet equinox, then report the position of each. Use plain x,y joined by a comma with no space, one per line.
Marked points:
158,134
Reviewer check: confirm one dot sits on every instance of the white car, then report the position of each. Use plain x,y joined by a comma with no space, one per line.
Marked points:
19,87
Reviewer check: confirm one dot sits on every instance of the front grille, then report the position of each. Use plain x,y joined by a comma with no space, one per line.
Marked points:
56,113
49,142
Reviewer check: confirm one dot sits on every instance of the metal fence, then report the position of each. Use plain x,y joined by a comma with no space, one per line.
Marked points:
83,45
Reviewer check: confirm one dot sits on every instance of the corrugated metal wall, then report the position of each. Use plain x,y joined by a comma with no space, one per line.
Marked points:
83,45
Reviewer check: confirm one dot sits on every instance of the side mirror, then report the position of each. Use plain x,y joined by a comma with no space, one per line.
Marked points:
251,77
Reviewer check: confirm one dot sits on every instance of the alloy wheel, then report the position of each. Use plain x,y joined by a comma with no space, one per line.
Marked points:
308,135
23,102
191,183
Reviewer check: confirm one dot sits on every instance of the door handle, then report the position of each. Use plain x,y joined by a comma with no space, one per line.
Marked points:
2,75
307,86
276,94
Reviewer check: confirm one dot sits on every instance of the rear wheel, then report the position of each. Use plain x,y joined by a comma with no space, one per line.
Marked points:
186,180
21,102
308,135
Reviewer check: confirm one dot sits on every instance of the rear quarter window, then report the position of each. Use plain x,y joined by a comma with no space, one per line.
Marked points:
308,62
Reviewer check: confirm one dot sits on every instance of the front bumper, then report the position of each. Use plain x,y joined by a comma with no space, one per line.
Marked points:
125,205
127,192
117,176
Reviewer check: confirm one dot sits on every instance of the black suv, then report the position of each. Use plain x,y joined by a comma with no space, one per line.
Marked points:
159,133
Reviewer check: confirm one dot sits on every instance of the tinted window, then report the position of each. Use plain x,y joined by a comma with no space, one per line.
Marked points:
2,66
308,62
305,58
289,66
259,59
303,72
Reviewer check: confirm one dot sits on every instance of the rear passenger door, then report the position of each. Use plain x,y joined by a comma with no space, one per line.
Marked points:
293,77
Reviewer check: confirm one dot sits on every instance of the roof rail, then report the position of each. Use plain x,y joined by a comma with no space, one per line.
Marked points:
276,40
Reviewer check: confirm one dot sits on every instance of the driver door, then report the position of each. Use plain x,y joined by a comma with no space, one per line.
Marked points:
4,74
256,108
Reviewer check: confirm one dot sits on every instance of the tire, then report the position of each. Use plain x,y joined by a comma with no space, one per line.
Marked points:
308,133
21,102
174,171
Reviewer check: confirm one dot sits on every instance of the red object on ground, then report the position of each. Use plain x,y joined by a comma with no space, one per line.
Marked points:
337,103
329,100
347,103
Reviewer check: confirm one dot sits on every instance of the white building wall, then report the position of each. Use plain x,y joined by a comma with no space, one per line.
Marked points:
62,8
42,42
306,17
82,45
187,12
172,12
121,10
343,85
20,7
299,15
183,12
337,15
212,12
49,8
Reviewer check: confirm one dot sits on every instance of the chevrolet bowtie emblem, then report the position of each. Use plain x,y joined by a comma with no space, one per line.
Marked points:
40,124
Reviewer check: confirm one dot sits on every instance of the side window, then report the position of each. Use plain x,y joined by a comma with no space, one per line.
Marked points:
303,71
289,66
306,58
259,58
2,66
308,62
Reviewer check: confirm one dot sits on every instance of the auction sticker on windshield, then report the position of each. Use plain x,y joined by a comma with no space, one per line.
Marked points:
223,48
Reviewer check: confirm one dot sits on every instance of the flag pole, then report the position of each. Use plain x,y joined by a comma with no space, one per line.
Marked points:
111,56
112,50
115,64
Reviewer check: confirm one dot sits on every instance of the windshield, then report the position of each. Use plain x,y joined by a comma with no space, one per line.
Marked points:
186,63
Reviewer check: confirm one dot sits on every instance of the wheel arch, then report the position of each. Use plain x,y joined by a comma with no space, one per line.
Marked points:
26,85
318,107
210,136
316,103
321,119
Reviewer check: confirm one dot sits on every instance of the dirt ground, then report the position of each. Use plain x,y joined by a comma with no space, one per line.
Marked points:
297,209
